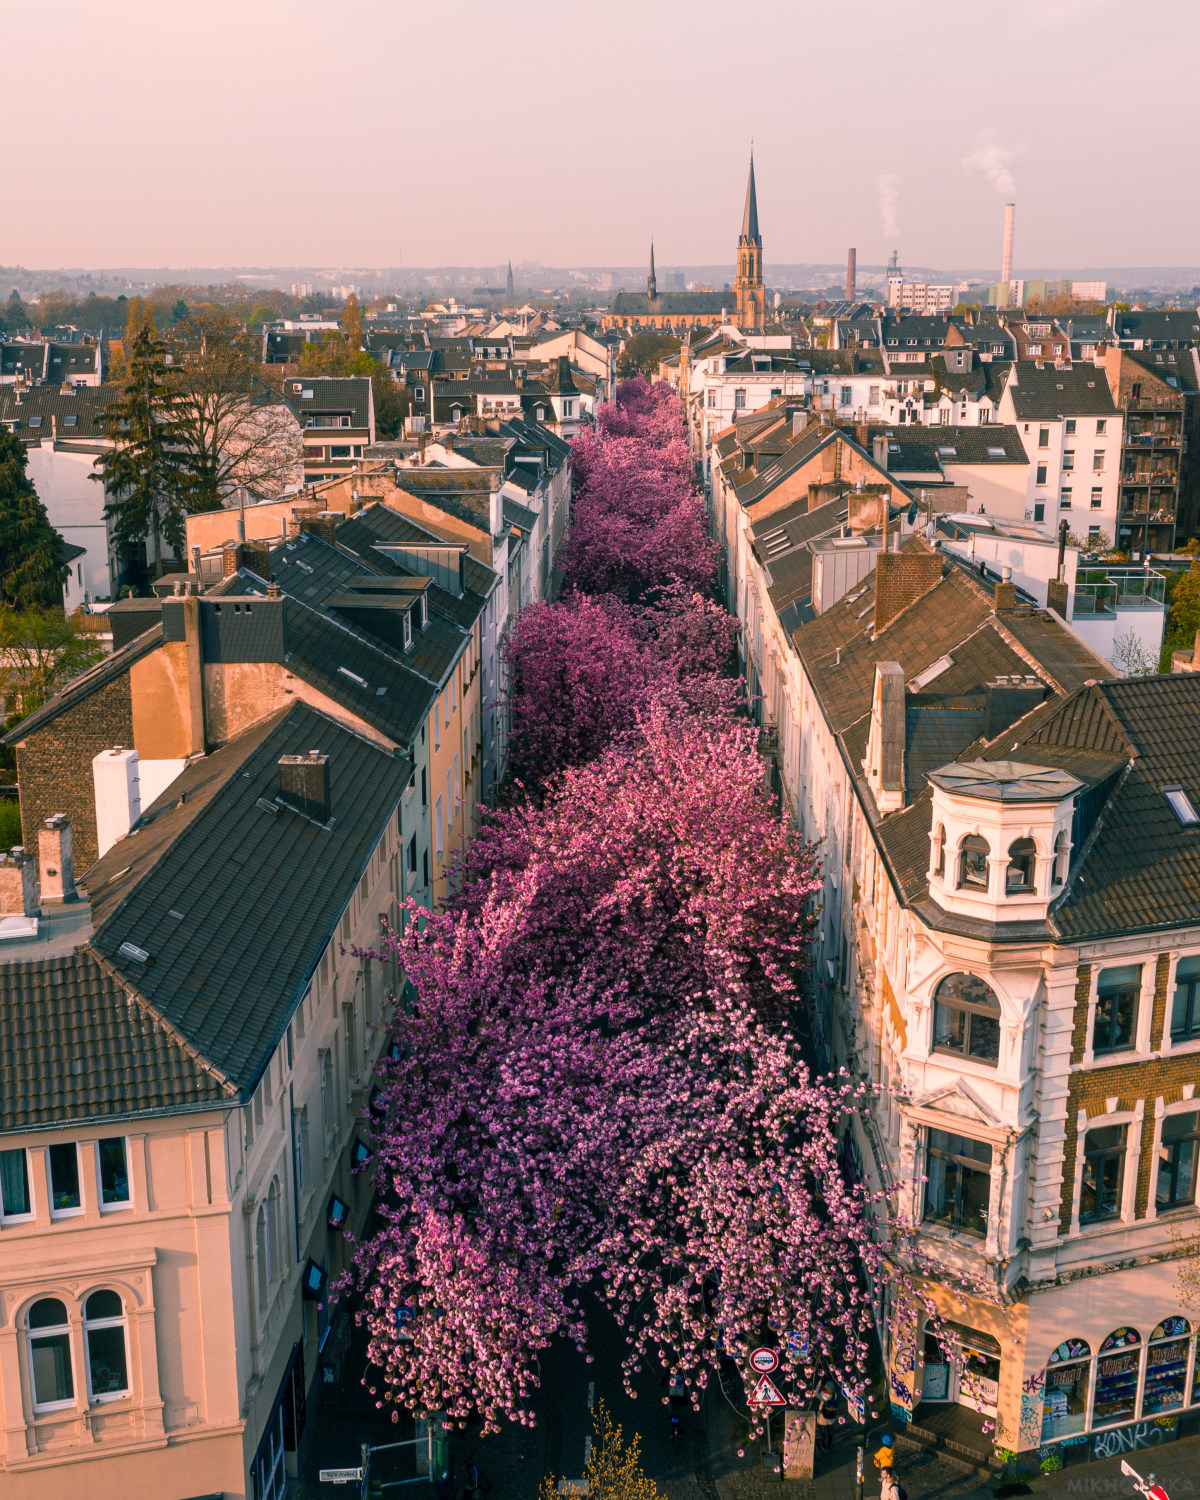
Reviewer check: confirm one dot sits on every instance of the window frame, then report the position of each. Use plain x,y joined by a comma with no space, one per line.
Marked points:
31,1212
1177,1204
968,1009
55,1331
1113,992
975,840
1026,863
1192,981
1117,1152
963,1162
119,1205
98,1325
64,1213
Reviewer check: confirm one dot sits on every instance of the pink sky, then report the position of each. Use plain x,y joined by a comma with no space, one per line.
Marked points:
388,132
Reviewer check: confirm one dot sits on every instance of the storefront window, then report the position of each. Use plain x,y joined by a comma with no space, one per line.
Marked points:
1166,1367
1068,1379
1117,1372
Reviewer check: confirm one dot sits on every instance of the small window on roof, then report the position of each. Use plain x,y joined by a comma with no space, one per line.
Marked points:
996,452
71,419
1181,806
35,421
948,452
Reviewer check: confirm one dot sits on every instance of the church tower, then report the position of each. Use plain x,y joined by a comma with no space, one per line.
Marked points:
651,279
509,289
751,294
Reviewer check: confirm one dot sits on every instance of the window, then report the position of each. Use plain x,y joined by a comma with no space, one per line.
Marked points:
71,419
1166,1367
457,797
15,1199
1135,391
1039,511
425,867
1041,473
959,1181
939,867
412,855
966,1018
262,1253
301,1149
1069,427
437,726
1117,1378
1097,497
1185,1010
973,862
424,788
408,630
1043,437
1064,499
1068,1379
1022,863
341,450
50,1370
1181,806
712,399
873,395
104,1342
1176,1185
1103,1174
114,1174
1101,426
847,396
419,393
326,1092
1116,1009
64,1180
1062,855
1069,458
439,832
1098,461
739,399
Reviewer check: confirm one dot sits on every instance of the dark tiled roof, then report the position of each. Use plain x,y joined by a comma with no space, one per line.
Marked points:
75,1045
923,448
1049,393
231,953
520,516
330,394
671,304
87,405
377,525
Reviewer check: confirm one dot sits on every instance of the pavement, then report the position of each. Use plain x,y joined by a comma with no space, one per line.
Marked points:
711,1460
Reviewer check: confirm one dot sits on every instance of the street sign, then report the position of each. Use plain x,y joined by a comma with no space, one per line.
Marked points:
341,1476
797,1347
763,1361
766,1393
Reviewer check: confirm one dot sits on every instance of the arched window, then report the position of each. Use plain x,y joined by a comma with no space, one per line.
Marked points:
1068,1377
1166,1367
1117,1372
966,1018
1022,858
973,862
50,1372
1062,856
939,846
104,1340
274,1240
262,1254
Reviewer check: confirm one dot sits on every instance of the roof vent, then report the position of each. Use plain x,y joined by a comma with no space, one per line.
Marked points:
132,951
304,784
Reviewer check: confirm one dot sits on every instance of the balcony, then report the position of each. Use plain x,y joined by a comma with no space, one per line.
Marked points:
1150,476
1101,592
1152,440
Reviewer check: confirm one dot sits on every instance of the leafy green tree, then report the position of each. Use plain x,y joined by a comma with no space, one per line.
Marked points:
145,472
33,565
41,654
644,352
352,322
180,311
392,403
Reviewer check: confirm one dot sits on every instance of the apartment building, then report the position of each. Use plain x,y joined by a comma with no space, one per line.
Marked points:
1156,391
1008,933
191,1043
337,418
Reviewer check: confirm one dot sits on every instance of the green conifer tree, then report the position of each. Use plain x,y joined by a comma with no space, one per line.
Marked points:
33,565
145,472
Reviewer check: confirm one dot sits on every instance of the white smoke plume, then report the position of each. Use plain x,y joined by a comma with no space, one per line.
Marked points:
993,162
887,188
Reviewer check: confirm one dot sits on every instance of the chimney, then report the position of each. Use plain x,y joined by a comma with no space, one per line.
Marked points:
196,561
323,524
118,795
231,559
448,442
862,436
799,422
900,580
851,275
304,784
885,743
1006,259
257,557
18,884
879,451
1009,699
273,591
56,864
1006,590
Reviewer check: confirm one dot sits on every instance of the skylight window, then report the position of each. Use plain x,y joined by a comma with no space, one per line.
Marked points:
1181,806
996,453
35,421
947,452
934,669
71,419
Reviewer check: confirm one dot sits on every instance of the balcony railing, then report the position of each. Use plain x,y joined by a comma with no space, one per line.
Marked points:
1150,476
1151,440
1105,591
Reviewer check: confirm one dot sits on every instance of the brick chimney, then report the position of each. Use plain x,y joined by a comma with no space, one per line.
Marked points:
1006,590
56,862
304,784
879,452
231,559
323,524
900,580
18,884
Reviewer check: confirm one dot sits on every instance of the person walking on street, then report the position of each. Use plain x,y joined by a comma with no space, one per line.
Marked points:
826,1414
885,1458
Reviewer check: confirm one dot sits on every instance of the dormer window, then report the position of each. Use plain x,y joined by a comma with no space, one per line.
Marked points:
423,611
973,863
966,1018
408,630
1022,856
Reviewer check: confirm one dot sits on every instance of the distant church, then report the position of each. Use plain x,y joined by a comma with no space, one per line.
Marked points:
675,312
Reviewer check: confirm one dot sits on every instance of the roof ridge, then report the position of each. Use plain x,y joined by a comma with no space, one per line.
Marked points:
156,1015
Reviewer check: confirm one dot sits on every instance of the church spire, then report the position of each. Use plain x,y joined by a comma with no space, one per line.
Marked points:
651,279
508,286
750,217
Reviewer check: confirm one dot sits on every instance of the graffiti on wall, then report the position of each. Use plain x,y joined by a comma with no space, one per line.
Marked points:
1033,1395
1130,1439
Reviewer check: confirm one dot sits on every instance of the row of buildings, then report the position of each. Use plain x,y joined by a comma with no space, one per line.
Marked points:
288,741
1008,944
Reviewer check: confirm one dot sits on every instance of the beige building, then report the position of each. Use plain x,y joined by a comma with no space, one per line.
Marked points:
190,1046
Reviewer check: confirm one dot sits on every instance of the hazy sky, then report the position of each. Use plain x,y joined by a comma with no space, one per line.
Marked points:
388,132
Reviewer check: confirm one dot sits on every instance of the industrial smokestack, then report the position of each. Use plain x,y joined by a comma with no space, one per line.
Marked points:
851,275
1010,213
